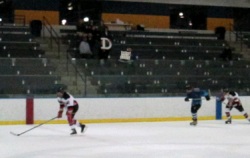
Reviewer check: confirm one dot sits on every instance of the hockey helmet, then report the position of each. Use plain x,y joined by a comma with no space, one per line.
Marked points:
60,90
188,87
225,90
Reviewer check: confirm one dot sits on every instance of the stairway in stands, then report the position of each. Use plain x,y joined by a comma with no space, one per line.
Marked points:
64,66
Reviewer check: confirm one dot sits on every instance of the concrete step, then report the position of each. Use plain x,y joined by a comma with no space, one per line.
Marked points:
64,68
246,54
241,49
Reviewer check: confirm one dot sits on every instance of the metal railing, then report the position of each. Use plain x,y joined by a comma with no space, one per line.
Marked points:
238,34
79,73
53,35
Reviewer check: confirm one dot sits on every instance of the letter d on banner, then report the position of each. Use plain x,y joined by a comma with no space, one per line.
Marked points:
104,42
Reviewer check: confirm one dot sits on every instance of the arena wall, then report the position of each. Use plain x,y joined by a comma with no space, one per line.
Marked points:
52,16
224,3
151,21
36,9
150,13
157,15
110,110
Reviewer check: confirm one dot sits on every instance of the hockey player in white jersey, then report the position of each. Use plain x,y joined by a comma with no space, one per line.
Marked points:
232,100
71,106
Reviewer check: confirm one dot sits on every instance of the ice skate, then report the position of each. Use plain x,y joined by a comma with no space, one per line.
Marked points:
73,132
248,119
194,123
83,128
228,121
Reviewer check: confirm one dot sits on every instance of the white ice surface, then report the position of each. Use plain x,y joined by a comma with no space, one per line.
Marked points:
210,139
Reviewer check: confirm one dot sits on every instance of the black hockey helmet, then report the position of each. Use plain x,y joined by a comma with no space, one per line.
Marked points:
188,87
60,90
225,90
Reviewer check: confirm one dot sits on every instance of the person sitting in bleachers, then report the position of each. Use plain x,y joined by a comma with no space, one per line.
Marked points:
105,44
84,48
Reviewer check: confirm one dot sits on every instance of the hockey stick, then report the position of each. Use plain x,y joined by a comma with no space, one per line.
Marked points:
212,96
15,134
209,92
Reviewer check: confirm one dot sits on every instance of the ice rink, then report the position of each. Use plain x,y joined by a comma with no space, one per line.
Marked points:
210,139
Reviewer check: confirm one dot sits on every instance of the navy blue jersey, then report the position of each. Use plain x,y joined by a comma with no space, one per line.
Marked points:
196,95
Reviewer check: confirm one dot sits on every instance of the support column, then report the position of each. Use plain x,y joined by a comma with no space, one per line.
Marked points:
218,109
30,110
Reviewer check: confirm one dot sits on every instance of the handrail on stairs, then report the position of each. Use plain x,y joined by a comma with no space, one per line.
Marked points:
53,35
78,73
239,35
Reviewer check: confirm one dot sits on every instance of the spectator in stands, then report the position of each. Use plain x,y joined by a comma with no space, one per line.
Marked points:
95,32
80,26
226,55
103,52
84,48
103,29
92,43
84,27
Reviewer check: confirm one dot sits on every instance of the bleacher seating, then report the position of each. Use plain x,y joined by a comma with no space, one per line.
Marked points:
166,77
12,29
18,42
172,35
27,75
158,45
29,84
21,52
23,68
182,46
163,64
245,37
16,37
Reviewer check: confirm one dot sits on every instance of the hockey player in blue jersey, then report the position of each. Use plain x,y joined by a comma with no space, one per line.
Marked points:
196,95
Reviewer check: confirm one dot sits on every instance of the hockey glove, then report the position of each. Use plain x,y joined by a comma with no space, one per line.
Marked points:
59,115
207,97
186,99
